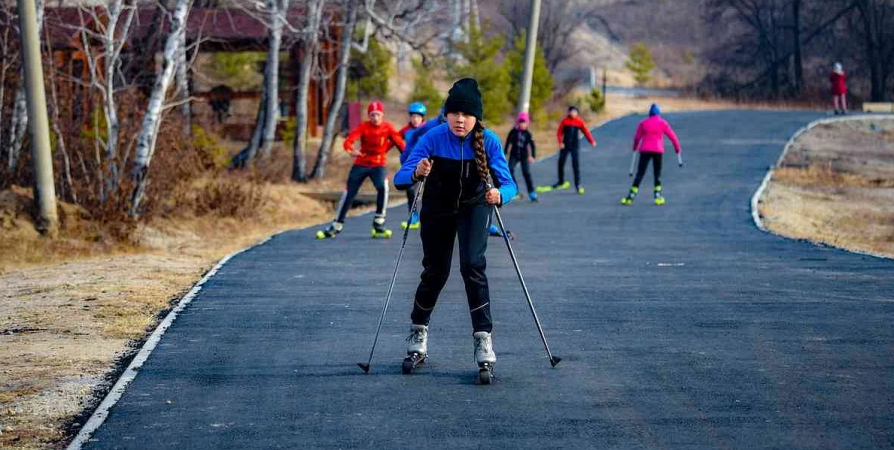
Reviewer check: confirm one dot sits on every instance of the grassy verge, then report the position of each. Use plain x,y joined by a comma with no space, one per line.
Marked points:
836,186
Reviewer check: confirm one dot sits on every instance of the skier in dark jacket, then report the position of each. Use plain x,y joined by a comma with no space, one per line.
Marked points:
416,112
458,158
520,148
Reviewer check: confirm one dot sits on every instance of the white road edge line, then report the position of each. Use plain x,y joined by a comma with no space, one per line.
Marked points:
102,411
755,199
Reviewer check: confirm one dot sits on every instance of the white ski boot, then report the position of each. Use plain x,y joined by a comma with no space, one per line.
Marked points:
484,356
417,348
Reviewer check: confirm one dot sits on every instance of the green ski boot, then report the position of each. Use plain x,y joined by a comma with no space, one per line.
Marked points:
628,200
659,199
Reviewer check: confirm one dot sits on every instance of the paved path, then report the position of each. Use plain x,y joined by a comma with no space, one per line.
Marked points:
680,327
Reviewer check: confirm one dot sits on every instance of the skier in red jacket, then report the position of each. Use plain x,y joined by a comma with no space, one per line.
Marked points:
568,135
838,81
376,137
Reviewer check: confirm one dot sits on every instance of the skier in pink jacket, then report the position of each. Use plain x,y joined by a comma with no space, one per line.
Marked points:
649,142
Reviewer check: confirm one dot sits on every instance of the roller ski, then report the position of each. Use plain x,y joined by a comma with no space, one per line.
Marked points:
631,196
659,199
379,231
330,232
412,224
417,348
484,356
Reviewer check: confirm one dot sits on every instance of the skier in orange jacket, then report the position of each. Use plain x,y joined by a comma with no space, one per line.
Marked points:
376,136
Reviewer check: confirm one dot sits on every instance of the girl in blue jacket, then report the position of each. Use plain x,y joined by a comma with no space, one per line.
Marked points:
458,158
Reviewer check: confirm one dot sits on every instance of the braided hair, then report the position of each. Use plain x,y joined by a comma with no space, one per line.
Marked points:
480,154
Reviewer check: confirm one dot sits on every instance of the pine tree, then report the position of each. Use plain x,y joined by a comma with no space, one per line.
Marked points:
479,56
542,80
641,63
424,89
370,72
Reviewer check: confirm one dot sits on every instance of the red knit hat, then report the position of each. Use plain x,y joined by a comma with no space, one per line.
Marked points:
375,106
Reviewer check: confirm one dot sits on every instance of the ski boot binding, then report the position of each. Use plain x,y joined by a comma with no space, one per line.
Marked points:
564,185
330,232
659,199
628,200
484,356
417,348
412,224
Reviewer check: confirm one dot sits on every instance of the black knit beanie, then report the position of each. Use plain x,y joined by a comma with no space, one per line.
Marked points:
465,97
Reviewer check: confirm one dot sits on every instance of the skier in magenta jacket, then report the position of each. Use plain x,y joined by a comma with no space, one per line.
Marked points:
649,142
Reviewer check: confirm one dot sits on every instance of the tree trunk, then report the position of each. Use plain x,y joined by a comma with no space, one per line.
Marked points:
309,45
796,41
271,80
183,89
152,119
264,133
341,82
66,190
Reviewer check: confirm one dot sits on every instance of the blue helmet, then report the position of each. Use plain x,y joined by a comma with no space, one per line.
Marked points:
417,108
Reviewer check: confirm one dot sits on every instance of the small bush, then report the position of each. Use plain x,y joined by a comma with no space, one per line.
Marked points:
596,101
212,153
229,196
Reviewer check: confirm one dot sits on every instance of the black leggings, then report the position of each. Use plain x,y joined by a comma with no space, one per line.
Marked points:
470,223
644,158
575,163
355,179
526,170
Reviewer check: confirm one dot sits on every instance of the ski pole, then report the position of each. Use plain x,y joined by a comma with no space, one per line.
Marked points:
680,159
553,360
632,163
400,254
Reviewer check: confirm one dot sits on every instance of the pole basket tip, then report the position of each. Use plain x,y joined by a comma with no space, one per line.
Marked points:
555,361
365,367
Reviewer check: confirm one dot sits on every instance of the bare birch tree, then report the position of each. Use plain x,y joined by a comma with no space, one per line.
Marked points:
148,134
309,40
112,22
341,81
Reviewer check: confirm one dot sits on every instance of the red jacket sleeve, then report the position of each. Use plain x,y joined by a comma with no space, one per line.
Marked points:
352,137
397,139
673,137
587,133
560,130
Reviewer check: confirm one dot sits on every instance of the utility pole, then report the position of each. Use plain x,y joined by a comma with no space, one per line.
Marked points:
44,190
524,102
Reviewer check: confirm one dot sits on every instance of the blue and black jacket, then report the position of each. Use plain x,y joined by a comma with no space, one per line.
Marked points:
454,179
413,136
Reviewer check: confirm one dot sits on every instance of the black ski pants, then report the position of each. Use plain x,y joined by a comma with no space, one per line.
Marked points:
575,163
411,194
644,158
514,159
356,178
439,229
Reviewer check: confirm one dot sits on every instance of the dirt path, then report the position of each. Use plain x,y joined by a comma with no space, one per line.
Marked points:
836,186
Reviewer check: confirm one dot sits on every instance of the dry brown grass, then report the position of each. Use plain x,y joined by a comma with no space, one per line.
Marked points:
836,186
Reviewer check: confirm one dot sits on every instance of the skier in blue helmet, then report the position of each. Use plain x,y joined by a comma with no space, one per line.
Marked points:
416,112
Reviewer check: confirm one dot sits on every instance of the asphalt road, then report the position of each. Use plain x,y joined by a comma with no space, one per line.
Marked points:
680,326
